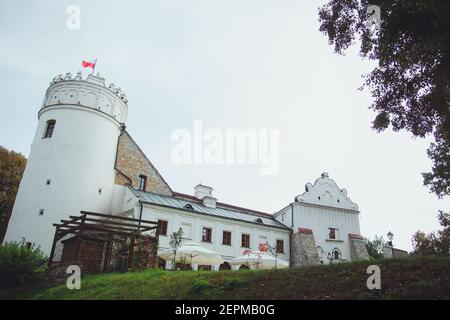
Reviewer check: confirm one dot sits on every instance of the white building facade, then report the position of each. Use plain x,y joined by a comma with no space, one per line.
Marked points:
83,159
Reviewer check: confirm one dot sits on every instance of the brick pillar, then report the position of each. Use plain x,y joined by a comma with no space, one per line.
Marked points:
304,251
358,250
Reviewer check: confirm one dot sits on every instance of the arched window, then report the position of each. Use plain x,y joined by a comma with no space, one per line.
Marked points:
336,254
50,127
225,266
188,207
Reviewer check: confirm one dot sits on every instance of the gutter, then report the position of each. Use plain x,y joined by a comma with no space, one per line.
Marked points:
140,215
290,236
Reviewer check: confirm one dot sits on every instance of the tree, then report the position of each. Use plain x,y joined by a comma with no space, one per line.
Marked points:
175,242
12,165
411,84
273,250
434,243
375,247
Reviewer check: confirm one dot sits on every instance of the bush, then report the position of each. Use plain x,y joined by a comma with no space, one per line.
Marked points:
200,285
233,283
21,264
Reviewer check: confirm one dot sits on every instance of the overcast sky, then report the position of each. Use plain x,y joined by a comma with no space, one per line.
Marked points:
231,64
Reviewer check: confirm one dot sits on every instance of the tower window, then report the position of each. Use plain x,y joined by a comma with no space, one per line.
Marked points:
49,129
41,212
48,182
142,182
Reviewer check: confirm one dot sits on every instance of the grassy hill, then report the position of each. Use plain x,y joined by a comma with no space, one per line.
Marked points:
409,278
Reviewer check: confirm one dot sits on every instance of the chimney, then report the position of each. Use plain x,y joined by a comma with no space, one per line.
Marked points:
205,193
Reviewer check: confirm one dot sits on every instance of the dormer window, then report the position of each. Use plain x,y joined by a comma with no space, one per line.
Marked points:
188,207
259,220
142,182
49,129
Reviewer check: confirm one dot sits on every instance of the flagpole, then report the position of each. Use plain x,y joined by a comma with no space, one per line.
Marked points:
93,69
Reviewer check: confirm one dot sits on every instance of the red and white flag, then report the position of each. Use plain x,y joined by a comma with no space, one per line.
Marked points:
89,63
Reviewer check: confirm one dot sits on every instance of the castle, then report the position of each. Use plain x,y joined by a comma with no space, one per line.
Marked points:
83,159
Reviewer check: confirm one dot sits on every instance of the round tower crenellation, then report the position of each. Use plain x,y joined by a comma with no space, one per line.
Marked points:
91,92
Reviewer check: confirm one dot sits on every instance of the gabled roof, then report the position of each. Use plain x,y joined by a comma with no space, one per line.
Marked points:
179,202
325,192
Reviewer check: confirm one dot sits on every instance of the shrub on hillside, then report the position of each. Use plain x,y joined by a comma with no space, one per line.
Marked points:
201,285
21,263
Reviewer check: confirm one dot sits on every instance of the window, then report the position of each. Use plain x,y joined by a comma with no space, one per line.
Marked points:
162,227
245,240
41,212
332,233
283,216
48,182
280,246
206,235
226,238
49,129
142,182
336,254
188,207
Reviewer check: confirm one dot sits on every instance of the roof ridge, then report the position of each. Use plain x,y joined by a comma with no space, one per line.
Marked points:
231,206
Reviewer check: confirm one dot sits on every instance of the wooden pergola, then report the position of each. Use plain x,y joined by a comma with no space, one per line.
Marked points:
98,226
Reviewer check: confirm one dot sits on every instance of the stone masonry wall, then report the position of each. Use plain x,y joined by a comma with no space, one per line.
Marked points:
389,252
132,162
304,252
358,250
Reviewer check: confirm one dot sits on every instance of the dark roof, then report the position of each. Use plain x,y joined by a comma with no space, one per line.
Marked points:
222,204
178,201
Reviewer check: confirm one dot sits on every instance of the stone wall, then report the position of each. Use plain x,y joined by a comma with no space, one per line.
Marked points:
304,251
389,252
358,249
132,162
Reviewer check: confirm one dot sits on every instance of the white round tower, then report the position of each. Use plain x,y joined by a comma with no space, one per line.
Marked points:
71,163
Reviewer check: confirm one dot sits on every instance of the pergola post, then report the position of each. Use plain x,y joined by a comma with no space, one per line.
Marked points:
52,252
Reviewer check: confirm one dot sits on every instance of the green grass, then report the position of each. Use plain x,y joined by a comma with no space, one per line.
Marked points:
409,278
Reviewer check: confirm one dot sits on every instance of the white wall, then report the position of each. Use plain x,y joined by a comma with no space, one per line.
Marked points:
319,219
178,218
78,159
324,205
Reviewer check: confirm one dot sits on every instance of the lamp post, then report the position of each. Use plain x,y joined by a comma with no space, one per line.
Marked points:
390,236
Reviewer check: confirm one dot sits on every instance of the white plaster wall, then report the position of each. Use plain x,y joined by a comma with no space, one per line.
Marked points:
178,218
79,159
123,200
319,219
